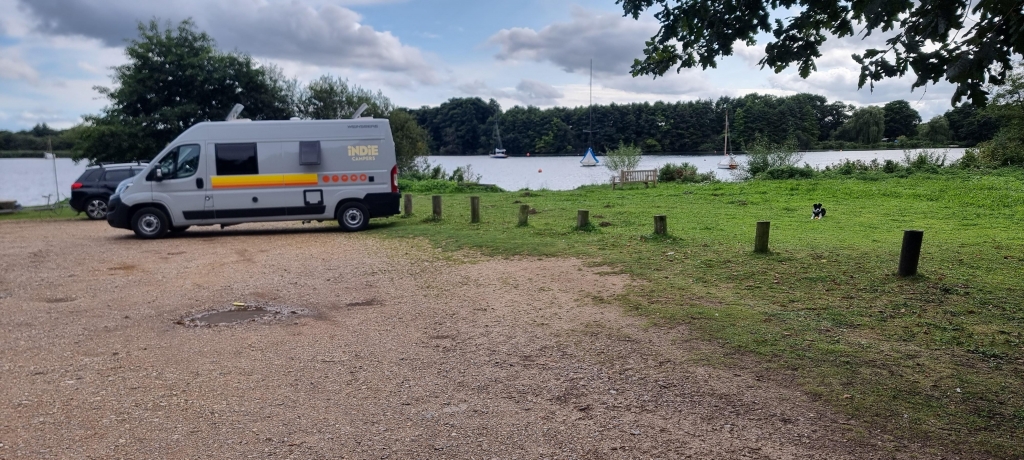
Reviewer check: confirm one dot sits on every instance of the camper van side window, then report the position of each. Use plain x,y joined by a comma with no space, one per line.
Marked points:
236,159
309,153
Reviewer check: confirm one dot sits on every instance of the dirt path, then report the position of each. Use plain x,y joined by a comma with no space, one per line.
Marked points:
402,355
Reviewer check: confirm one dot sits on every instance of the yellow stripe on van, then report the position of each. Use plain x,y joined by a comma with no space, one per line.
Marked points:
264,180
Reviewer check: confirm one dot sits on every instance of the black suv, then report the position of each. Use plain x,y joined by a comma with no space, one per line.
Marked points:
89,194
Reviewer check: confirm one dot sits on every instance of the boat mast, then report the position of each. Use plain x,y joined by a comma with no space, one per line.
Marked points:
497,131
726,130
590,108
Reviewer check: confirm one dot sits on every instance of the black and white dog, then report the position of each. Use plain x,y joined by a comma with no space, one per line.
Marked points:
817,211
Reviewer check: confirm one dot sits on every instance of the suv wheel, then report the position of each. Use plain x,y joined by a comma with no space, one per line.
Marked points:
150,223
353,217
96,208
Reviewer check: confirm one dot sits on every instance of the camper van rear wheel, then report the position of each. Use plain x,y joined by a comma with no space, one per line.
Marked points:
150,223
353,217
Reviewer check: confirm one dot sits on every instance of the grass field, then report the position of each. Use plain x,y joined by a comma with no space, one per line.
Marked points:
41,212
937,358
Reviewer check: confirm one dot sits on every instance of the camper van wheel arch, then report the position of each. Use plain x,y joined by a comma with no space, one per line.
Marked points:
150,223
353,216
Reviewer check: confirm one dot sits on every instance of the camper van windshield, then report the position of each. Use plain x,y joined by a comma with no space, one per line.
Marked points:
181,162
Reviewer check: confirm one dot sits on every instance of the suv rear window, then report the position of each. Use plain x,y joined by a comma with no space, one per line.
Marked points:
90,175
117,175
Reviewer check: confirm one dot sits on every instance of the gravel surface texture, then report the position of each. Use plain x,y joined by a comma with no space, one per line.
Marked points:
380,349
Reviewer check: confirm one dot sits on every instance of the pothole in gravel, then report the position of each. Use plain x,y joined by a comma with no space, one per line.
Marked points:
364,303
239,313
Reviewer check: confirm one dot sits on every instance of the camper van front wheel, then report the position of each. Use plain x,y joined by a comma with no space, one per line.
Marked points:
150,223
353,217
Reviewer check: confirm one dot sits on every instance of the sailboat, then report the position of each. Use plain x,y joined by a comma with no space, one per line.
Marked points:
589,159
729,162
499,152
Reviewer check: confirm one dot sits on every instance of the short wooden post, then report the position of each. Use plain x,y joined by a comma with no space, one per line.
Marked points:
437,206
761,237
910,253
474,210
408,204
524,215
582,219
660,225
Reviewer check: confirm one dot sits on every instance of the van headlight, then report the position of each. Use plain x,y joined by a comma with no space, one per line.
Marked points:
123,185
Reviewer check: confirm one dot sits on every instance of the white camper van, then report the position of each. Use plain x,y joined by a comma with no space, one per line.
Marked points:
234,172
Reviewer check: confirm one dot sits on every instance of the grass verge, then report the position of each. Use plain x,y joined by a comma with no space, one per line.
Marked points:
937,358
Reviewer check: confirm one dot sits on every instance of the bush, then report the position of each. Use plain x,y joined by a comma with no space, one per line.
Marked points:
1005,149
924,161
788,172
625,157
763,155
970,160
684,172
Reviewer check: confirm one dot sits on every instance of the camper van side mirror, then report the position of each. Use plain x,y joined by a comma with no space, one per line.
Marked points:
156,175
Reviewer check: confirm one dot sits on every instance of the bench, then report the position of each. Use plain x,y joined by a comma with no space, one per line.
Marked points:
647,176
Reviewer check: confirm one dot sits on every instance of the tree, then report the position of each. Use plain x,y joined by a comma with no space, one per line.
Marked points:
175,78
966,43
971,125
900,119
410,139
865,126
1007,146
331,98
935,131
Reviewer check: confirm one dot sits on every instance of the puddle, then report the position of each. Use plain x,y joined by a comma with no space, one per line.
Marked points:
364,303
63,299
244,313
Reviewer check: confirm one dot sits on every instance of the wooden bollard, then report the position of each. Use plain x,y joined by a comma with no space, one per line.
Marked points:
761,237
910,253
524,215
408,204
582,219
661,225
437,206
474,210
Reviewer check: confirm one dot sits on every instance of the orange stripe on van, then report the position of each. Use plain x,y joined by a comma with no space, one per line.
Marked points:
264,180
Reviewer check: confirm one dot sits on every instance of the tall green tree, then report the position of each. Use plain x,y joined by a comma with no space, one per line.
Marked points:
935,130
174,78
900,119
865,126
331,98
964,42
1007,146
410,139
971,125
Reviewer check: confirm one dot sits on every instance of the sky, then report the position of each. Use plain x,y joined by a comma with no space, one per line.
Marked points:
53,53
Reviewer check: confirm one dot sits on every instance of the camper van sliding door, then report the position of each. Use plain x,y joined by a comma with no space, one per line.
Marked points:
245,193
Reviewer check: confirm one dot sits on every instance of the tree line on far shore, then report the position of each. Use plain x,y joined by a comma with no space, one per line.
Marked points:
466,126
176,77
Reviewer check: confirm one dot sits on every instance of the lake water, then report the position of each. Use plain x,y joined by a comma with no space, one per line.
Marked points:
565,173
27,180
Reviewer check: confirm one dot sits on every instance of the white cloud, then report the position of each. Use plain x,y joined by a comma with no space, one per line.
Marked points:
529,92
609,39
13,67
328,35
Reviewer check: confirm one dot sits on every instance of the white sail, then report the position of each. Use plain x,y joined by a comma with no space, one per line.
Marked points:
589,159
